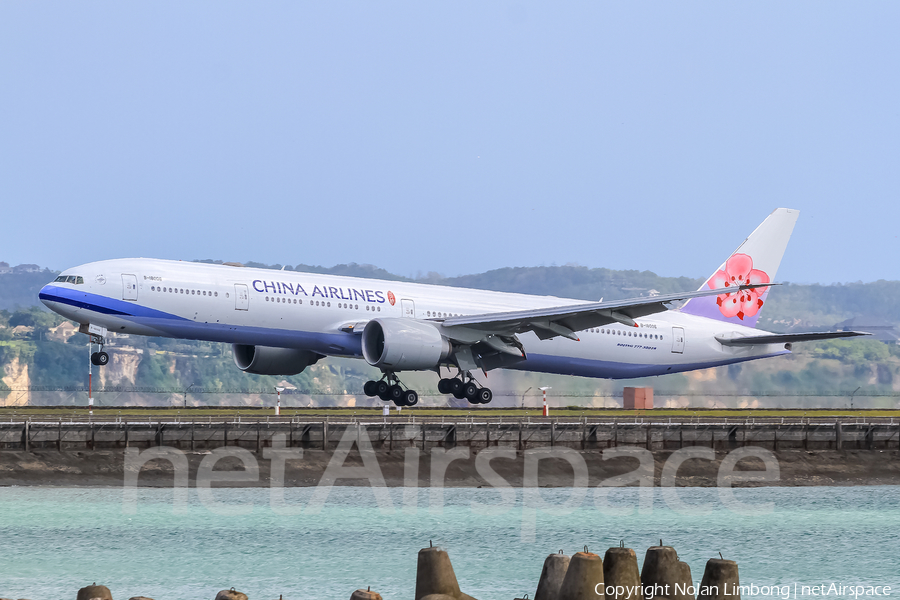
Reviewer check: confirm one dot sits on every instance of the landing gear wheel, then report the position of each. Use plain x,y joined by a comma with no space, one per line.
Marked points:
99,359
410,398
444,386
456,388
381,390
485,396
370,388
470,392
395,393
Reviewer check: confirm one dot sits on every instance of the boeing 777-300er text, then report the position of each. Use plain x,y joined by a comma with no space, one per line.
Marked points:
280,322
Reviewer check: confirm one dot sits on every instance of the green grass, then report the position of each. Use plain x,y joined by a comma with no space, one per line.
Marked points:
66,411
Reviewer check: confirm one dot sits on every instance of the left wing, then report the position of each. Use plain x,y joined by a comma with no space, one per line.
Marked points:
566,320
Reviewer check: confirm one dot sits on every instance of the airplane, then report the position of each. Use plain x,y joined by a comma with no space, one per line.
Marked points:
280,322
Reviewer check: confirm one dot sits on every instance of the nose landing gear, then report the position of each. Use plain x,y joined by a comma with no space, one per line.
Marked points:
99,358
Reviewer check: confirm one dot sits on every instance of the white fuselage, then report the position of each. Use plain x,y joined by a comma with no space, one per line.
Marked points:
308,311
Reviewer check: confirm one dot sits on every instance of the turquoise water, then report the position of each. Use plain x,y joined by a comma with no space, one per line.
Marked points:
56,540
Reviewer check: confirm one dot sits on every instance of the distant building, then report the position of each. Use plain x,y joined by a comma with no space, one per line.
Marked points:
62,332
26,269
880,329
22,331
4,268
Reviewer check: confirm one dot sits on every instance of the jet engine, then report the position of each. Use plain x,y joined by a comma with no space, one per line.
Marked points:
403,344
264,360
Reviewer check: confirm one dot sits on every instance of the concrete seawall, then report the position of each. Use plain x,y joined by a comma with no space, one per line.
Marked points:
255,434
808,451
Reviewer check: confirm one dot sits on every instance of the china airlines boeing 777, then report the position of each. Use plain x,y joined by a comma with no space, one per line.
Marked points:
280,322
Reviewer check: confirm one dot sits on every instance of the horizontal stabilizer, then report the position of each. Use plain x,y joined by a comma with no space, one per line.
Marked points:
787,338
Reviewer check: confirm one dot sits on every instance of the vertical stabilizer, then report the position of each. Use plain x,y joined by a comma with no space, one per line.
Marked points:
755,261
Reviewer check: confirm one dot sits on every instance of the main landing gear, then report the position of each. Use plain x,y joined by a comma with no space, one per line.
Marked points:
465,387
389,389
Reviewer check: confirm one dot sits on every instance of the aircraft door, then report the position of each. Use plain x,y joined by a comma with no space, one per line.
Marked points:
129,287
678,340
409,308
241,297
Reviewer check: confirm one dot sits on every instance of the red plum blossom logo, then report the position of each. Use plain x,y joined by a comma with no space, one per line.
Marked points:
739,271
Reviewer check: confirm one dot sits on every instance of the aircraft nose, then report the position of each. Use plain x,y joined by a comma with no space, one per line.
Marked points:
44,296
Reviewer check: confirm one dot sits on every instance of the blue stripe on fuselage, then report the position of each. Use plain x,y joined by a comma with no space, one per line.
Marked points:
102,304
167,324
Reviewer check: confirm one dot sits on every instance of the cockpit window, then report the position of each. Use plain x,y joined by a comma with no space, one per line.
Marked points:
76,279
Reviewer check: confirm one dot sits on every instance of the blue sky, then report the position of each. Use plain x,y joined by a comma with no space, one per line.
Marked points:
454,137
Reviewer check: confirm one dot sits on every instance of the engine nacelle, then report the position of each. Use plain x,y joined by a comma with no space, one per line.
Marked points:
265,360
403,344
